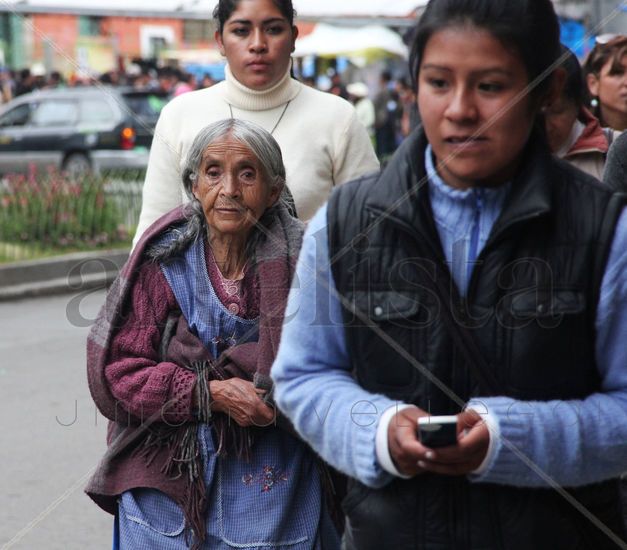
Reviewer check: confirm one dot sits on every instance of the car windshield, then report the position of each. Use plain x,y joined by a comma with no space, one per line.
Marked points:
146,104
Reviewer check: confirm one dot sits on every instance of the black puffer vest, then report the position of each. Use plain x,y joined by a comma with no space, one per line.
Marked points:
530,306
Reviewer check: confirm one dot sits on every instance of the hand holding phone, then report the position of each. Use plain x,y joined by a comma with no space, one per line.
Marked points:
437,431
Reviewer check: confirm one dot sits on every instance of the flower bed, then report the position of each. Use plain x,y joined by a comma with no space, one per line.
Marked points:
53,213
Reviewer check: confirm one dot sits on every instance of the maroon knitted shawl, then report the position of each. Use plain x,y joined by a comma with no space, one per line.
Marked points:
123,468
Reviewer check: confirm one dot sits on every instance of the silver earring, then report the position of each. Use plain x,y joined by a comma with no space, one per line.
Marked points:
594,102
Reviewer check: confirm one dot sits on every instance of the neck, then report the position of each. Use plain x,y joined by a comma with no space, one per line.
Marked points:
248,99
614,119
229,253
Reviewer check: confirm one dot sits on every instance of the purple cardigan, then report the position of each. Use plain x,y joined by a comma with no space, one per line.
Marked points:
120,469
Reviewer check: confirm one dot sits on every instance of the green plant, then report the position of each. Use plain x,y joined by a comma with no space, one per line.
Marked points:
55,210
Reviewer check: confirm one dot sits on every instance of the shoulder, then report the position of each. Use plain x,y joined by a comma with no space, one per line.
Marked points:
355,190
350,198
191,101
618,149
316,99
572,179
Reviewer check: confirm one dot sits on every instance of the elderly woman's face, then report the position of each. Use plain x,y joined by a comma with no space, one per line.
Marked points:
231,188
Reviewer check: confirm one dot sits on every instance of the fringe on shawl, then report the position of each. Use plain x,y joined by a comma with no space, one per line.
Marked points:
184,458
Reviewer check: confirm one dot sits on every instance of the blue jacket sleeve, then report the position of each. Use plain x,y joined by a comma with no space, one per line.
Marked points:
312,371
576,442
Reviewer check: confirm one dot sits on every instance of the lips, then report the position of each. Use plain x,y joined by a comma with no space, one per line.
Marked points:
464,140
258,64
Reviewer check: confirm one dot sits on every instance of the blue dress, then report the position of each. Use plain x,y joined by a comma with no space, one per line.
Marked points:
274,501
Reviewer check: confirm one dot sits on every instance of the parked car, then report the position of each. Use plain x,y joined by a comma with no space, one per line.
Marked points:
90,129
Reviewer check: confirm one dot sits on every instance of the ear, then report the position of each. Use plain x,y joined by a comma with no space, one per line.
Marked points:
593,84
195,189
557,87
274,195
218,38
294,37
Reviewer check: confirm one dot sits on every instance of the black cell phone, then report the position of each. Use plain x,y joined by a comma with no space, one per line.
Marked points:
437,431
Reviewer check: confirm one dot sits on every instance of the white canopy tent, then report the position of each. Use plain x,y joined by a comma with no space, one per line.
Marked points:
356,42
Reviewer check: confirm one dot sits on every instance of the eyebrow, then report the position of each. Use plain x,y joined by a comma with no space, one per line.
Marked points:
481,72
264,22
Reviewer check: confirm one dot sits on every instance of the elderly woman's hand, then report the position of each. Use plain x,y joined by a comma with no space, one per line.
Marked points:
241,401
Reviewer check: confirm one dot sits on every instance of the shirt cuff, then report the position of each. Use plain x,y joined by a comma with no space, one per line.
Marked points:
381,441
495,433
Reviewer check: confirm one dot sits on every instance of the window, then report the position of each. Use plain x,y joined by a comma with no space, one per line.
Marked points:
146,105
55,113
16,117
89,26
96,111
197,30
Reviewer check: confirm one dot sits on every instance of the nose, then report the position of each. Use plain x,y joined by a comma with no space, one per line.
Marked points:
230,186
257,41
461,107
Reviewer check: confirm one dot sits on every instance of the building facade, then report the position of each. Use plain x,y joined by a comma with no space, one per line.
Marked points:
94,43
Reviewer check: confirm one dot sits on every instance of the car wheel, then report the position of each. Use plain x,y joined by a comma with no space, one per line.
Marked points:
76,164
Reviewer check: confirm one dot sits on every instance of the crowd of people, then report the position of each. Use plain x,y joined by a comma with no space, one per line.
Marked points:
169,80
291,312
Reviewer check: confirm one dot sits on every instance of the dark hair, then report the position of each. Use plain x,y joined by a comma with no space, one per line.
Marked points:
529,26
225,8
574,89
613,50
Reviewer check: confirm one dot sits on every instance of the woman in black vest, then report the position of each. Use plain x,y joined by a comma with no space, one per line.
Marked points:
476,277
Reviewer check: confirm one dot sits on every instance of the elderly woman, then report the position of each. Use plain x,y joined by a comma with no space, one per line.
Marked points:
179,361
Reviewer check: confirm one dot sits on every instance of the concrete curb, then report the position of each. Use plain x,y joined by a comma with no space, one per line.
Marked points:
61,274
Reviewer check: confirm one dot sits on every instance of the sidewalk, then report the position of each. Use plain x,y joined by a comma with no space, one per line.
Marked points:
61,274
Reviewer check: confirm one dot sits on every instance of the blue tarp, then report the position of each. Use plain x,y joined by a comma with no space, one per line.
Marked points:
573,35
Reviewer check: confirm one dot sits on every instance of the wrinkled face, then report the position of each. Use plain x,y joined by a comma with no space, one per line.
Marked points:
559,118
467,95
257,41
231,188
611,89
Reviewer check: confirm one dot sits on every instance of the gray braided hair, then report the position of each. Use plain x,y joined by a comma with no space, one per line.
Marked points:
267,151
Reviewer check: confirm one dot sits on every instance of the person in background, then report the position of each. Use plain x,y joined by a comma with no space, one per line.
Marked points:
615,175
25,82
358,96
337,86
6,85
410,118
309,81
606,76
386,113
477,277
207,81
179,361
167,79
573,132
185,83
322,141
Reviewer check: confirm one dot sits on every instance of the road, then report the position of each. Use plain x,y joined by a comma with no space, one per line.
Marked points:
51,435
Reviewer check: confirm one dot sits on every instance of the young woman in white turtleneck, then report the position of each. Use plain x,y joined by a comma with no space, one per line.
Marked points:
322,142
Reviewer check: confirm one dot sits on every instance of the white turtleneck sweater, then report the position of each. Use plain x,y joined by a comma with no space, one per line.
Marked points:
322,142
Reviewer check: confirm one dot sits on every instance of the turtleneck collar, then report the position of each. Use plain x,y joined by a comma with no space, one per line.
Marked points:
457,206
241,97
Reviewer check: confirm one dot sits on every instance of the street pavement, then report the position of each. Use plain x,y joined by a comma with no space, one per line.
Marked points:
51,436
